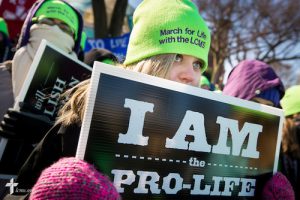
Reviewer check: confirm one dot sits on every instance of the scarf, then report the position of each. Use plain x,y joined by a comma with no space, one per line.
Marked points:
24,56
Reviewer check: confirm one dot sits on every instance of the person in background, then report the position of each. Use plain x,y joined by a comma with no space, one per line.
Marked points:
5,44
205,83
175,60
60,24
256,81
82,46
6,96
290,145
101,55
53,20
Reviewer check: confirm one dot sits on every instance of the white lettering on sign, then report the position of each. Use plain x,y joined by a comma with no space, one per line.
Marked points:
195,120
193,124
96,43
167,183
40,97
153,185
247,187
152,180
54,100
217,180
73,82
134,133
58,88
194,162
238,138
118,178
197,190
229,184
121,42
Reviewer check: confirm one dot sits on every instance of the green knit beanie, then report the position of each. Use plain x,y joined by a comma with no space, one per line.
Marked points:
161,27
204,81
3,27
56,9
83,40
291,101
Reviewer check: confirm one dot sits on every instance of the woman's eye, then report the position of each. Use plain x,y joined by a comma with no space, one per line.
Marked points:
198,65
178,58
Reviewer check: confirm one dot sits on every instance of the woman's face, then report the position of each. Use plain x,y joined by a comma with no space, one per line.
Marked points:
62,25
296,119
186,69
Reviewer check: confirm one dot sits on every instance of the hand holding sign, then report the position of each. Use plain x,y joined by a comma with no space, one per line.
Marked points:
15,124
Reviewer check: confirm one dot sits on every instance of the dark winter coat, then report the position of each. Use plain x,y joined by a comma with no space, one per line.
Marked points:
290,167
6,93
60,141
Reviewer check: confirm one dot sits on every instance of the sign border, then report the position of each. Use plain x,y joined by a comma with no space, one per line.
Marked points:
102,68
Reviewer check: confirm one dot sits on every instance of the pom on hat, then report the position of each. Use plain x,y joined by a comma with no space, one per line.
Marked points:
162,27
291,101
56,9
72,178
278,187
3,27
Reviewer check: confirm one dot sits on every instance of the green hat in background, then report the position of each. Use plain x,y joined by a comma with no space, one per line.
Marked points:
3,27
161,27
56,9
83,40
291,101
204,81
109,61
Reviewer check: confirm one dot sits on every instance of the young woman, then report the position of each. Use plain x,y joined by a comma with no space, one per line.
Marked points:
169,40
256,81
290,151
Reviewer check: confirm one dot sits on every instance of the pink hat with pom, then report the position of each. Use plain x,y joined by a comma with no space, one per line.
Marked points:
72,178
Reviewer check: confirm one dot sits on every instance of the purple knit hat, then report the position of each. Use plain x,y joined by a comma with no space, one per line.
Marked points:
278,187
72,178
251,77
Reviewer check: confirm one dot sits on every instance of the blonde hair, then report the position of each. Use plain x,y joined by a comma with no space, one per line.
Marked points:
290,143
73,110
158,65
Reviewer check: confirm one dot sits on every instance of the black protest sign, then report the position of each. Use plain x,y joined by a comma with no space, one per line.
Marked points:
51,73
158,139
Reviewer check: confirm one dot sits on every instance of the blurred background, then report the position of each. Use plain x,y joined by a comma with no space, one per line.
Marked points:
266,30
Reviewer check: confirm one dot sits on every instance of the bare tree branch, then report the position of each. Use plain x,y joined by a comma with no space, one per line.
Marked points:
264,30
100,19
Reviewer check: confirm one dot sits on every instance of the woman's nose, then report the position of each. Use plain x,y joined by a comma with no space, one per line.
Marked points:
187,75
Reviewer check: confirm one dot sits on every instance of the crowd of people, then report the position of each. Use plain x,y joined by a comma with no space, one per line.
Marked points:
43,158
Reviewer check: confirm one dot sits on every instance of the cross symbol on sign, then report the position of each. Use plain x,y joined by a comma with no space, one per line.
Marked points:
11,185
